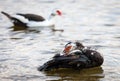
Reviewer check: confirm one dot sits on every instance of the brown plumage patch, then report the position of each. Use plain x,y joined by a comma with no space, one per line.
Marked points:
32,17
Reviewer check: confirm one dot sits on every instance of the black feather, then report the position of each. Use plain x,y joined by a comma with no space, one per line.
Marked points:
32,17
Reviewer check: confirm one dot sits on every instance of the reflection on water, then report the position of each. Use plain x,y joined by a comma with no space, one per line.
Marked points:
26,29
34,29
94,74
18,28
94,23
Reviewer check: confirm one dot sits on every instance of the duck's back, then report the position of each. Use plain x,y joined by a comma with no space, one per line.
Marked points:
95,57
32,17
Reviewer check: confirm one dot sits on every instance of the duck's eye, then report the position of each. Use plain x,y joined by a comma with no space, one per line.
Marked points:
53,14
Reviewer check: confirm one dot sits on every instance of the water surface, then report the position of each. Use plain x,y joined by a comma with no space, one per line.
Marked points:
95,23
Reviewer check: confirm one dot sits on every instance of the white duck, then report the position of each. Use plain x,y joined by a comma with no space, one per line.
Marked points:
32,20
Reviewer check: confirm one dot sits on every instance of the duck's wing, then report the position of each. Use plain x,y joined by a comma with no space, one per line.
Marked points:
32,17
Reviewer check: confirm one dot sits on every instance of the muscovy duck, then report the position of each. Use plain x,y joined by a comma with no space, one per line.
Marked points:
32,20
74,56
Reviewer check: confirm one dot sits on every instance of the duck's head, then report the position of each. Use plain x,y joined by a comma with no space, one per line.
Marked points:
56,12
70,46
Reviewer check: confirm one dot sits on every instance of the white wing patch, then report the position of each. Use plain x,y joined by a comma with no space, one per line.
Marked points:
21,18
37,24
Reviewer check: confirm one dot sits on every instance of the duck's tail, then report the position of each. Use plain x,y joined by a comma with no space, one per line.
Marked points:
6,14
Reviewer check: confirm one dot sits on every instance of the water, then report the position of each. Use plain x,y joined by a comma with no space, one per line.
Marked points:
95,23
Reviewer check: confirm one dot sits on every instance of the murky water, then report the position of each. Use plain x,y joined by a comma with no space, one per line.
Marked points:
95,23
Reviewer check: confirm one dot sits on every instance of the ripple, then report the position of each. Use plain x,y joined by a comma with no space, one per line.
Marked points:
47,1
23,77
109,24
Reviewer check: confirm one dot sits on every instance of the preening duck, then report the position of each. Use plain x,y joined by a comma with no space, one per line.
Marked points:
32,20
75,56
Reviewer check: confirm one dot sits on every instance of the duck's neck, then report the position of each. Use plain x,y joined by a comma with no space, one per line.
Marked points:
51,17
